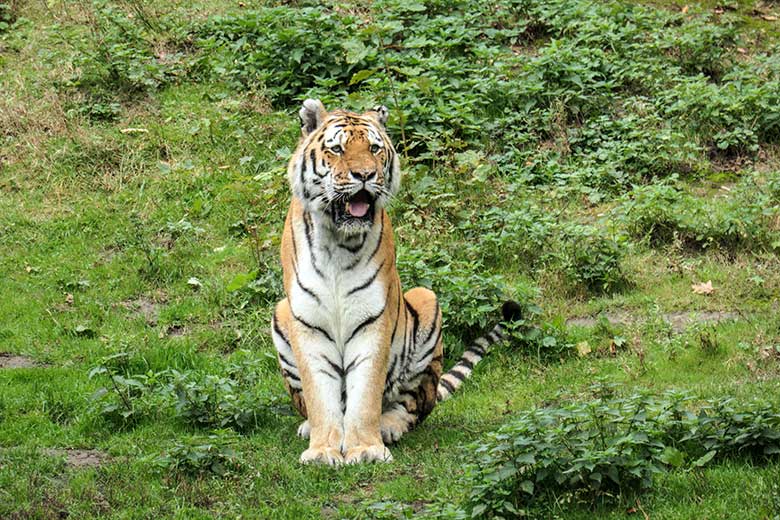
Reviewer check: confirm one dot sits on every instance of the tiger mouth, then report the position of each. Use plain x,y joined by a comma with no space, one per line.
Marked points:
358,209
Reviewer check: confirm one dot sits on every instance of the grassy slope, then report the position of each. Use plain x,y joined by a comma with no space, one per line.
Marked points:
74,199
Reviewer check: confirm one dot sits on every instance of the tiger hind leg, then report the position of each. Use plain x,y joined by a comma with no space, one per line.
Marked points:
280,333
410,401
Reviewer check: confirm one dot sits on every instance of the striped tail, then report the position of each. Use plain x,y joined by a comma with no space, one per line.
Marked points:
452,380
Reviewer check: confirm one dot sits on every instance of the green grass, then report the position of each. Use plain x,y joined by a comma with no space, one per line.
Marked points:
101,230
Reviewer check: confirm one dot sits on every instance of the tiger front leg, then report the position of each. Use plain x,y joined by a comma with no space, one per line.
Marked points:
365,368
314,356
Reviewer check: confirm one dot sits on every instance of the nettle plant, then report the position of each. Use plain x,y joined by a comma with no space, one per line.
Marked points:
202,455
236,399
7,15
610,448
744,218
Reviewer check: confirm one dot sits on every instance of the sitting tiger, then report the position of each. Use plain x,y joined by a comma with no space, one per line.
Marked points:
362,360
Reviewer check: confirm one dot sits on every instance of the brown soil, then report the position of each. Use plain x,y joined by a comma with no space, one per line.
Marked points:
8,360
79,458
143,306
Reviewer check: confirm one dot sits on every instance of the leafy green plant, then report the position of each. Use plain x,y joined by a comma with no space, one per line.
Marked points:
200,455
212,401
662,213
593,260
128,399
610,448
7,15
236,400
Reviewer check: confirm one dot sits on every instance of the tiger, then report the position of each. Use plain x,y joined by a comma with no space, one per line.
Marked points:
361,360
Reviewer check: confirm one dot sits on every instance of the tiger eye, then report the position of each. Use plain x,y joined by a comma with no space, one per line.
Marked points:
374,148
337,149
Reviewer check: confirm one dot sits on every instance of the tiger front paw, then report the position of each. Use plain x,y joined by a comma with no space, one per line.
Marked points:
374,453
329,456
304,430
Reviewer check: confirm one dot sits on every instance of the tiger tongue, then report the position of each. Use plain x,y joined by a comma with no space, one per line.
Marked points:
357,209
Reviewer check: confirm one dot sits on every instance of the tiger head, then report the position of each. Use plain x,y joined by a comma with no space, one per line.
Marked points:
345,166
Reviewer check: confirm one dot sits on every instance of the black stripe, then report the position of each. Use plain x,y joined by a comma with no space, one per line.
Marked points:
339,370
379,240
435,322
310,242
368,321
305,289
355,262
355,249
290,375
415,316
395,329
279,331
492,336
353,365
390,159
313,327
457,374
404,348
391,370
446,384
332,376
313,158
466,363
294,245
438,337
430,350
476,349
369,281
285,360
302,171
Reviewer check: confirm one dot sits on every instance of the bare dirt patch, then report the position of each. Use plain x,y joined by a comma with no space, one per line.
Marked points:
679,320
79,458
13,361
143,306
175,331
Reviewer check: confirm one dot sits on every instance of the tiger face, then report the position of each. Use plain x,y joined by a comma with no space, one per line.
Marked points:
346,167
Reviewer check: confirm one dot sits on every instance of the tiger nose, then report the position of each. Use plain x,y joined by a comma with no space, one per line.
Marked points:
363,175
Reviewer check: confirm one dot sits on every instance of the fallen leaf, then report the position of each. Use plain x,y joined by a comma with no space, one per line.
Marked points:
69,298
741,50
769,17
684,9
583,348
703,288
134,131
194,283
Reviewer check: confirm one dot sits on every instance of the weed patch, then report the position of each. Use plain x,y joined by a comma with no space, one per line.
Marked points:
611,448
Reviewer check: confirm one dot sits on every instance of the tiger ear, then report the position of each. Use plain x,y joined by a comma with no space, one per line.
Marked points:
312,115
381,113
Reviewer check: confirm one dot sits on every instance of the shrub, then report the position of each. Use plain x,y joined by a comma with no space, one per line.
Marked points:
467,293
236,400
7,15
202,455
745,218
592,260
610,448
210,401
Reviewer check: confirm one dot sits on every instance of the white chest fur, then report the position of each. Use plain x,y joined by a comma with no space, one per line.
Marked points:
338,283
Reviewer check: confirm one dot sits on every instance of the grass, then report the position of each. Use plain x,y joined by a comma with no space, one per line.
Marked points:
102,227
